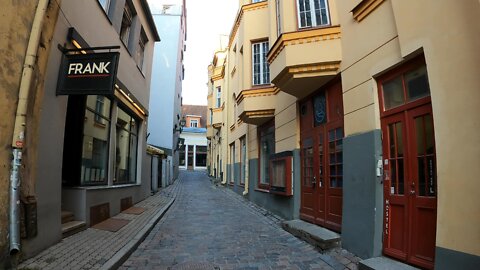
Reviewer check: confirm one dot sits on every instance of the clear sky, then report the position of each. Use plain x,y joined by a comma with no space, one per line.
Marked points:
206,21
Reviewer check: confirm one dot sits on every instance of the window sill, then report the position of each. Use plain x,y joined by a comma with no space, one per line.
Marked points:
103,187
262,190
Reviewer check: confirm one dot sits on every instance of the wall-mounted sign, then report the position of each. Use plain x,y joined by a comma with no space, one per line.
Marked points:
88,74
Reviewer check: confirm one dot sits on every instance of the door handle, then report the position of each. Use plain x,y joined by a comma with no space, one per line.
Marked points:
314,182
412,188
412,192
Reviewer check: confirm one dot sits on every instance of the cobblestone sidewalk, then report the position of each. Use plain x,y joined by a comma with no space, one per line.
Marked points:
99,249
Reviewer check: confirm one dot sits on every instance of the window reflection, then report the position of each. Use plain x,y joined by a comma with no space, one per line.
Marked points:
126,148
95,141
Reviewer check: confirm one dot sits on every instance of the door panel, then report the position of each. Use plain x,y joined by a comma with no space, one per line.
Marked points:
410,186
322,165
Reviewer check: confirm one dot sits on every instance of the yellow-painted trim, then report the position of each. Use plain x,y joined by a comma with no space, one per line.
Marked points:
245,8
301,37
257,114
316,68
364,8
219,109
256,92
233,71
232,127
218,75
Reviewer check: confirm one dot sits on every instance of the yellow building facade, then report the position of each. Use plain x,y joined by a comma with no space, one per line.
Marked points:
358,116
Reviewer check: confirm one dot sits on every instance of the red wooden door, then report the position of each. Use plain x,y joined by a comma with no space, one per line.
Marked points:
322,158
410,186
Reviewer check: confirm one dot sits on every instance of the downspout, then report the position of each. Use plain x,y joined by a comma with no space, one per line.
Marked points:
20,123
245,192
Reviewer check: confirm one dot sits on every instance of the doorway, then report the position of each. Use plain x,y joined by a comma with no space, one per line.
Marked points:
409,160
321,125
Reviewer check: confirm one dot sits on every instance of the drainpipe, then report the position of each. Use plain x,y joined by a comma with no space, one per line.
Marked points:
247,167
20,123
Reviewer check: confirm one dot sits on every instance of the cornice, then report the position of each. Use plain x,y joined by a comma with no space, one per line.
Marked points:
301,37
245,8
364,8
257,92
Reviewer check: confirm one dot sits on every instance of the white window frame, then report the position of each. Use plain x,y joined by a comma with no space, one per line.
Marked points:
219,96
279,18
256,1
193,123
264,70
312,14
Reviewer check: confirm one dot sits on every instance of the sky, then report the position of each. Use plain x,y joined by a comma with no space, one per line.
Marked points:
207,20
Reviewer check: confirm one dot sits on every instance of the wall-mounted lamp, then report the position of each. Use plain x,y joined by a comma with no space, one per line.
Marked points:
182,124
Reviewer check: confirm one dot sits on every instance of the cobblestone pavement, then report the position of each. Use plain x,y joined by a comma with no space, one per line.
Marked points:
211,227
99,249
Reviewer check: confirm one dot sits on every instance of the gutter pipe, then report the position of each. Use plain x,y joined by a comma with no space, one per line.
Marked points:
20,123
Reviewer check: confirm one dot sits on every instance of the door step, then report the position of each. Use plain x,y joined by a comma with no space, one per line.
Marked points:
383,263
315,235
67,216
73,227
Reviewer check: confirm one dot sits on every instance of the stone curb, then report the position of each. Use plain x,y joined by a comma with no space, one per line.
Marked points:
122,255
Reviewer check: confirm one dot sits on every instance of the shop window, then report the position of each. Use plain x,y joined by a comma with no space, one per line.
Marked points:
267,148
261,71
126,148
312,13
201,156
95,141
281,173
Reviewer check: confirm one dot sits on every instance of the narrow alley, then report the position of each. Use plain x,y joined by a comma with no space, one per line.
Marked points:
210,227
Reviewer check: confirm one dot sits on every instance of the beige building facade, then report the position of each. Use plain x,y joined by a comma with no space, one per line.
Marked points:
358,116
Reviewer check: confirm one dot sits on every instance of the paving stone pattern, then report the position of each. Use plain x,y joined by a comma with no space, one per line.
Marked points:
211,227
92,248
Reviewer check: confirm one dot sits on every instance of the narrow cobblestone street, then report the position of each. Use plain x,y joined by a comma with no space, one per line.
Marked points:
210,227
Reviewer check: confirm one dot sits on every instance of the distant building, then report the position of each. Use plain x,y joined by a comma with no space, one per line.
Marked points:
166,88
193,153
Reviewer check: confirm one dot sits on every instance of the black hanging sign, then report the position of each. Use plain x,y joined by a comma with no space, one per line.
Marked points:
88,74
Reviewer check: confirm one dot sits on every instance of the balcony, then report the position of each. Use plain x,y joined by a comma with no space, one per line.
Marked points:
209,132
217,118
257,106
303,61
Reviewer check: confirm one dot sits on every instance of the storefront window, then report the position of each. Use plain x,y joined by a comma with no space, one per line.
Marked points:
95,141
126,148
201,156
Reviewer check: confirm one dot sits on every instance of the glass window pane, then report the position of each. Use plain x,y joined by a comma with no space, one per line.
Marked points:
400,176
421,176
420,135
416,82
393,93
431,176
391,140
429,135
126,149
320,109
399,132
393,174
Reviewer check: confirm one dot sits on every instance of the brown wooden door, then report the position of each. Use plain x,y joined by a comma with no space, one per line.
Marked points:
322,158
410,186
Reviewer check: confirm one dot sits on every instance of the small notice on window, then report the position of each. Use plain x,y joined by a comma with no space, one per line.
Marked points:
385,161
392,190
